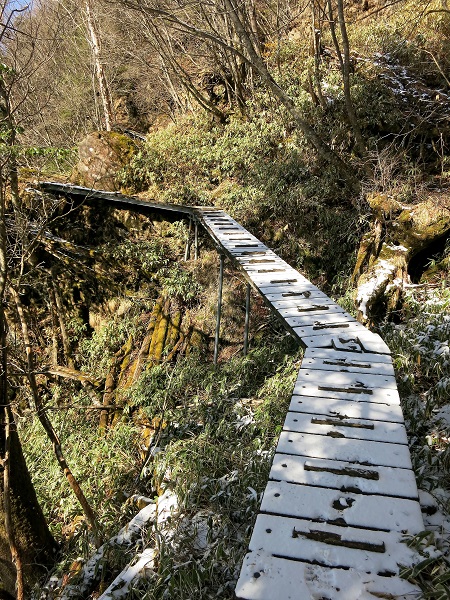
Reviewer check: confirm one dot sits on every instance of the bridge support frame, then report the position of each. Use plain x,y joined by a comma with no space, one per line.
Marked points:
196,254
219,310
187,252
247,318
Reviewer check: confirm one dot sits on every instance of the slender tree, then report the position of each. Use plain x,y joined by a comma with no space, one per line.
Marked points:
95,42
25,539
242,44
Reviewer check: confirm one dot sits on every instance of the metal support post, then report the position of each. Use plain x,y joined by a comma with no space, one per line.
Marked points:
196,240
247,319
219,310
187,252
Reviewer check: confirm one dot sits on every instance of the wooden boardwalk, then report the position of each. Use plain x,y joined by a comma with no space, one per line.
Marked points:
341,493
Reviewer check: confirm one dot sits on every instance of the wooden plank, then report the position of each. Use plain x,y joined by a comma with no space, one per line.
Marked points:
358,451
345,365
302,291
340,326
330,545
291,309
334,407
357,394
344,476
342,508
342,379
269,277
306,305
314,320
367,340
265,577
360,429
351,356
361,340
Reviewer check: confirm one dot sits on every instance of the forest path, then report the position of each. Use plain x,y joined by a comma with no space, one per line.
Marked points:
341,493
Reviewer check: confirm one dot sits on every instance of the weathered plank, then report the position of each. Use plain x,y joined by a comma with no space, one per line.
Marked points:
334,362
347,392
344,476
327,353
265,577
339,379
342,508
361,429
358,451
345,408
331,545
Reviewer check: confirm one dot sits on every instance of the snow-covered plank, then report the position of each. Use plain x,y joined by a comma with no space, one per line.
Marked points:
361,340
345,508
291,310
299,293
231,245
239,238
330,545
341,325
315,320
256,263
253,264
229,228
360,429
349,450
344,476
347,392
365,341
339,379
249,258
265,577
234,247
257,271
303,305
331,353
333,407
268,276
345,365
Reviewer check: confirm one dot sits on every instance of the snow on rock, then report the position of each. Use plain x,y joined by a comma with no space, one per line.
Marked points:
121,585
198,529
374,283
167,507
126,536
443,415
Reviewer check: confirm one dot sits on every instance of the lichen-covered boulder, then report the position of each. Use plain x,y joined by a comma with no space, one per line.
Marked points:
101,156
401,235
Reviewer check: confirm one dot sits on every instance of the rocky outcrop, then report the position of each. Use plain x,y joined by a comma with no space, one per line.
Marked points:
101,156
400,244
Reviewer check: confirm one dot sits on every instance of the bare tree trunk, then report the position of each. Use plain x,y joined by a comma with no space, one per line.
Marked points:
9,527
7,122
6,408
255,63
99,70
62,326
316,50
24,535
344,61
322,148
48,427
108,395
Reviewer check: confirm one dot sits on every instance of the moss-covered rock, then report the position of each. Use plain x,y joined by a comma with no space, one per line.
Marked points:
101,156
399,233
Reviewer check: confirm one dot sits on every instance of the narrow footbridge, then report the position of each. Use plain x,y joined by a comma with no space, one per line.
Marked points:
341,493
